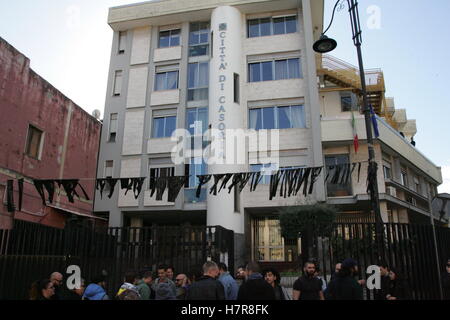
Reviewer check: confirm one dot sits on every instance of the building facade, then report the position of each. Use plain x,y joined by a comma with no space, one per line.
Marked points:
407,179
240,65
44,135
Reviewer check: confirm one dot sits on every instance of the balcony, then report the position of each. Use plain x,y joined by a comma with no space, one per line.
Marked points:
339,130
411,196
345,76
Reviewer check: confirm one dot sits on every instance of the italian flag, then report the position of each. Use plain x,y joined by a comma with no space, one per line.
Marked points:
355,134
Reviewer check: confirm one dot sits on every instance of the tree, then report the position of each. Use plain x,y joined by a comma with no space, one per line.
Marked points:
307,222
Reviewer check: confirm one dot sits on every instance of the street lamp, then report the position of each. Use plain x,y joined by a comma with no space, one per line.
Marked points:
324,45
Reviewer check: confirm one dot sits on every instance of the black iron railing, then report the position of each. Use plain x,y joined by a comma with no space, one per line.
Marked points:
30,252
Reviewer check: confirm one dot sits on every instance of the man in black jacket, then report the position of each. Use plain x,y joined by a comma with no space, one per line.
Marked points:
255,287
381,294
207,287
344,286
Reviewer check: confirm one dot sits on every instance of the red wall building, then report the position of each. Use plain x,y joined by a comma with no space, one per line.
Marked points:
43,135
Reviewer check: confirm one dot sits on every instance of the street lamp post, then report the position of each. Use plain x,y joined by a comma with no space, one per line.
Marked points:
324,45
436,251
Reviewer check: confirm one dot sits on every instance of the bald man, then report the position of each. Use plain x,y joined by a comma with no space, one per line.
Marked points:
181,282
57,279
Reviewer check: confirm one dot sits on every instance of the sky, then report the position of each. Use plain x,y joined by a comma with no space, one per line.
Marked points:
69,44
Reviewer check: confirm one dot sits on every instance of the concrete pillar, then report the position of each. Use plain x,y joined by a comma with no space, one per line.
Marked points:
225,114
312,96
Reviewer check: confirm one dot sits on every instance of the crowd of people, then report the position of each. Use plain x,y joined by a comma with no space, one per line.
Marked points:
214,282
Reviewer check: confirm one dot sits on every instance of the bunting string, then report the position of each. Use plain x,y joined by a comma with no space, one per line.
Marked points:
284,182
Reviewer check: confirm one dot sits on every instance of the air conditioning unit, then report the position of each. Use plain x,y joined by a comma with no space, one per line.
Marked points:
391,191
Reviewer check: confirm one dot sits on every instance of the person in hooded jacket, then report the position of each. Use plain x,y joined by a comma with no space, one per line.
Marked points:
255,287
131,281
345,286
96,290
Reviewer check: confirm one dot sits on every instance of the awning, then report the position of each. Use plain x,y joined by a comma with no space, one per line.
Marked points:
77,213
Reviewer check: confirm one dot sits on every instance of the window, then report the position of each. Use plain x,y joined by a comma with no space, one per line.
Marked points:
387,170
160,173
118,83
265,169
416,185
163,127
122,41
198,81
404,177
109,169
112,127
212,44
272,26
166,78
197,124
170,38
236,87
196,166
199,39
337,190
268,243
285,117
109,172
433,190
275,70
34,142
348,101
237,200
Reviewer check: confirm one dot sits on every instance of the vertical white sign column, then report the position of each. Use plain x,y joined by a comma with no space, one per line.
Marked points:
224,113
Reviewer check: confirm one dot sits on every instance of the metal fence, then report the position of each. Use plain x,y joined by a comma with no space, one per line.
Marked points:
408,248
30,252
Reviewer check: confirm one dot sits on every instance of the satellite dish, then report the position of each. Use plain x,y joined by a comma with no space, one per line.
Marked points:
96,114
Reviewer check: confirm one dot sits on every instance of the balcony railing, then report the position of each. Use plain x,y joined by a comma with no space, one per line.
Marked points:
374,77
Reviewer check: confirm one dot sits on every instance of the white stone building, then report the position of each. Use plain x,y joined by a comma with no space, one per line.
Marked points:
234,64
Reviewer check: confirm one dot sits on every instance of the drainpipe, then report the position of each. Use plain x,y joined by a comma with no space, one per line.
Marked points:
96,167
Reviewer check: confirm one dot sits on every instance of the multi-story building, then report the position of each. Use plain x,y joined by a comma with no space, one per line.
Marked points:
407,179
244,65
44,135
